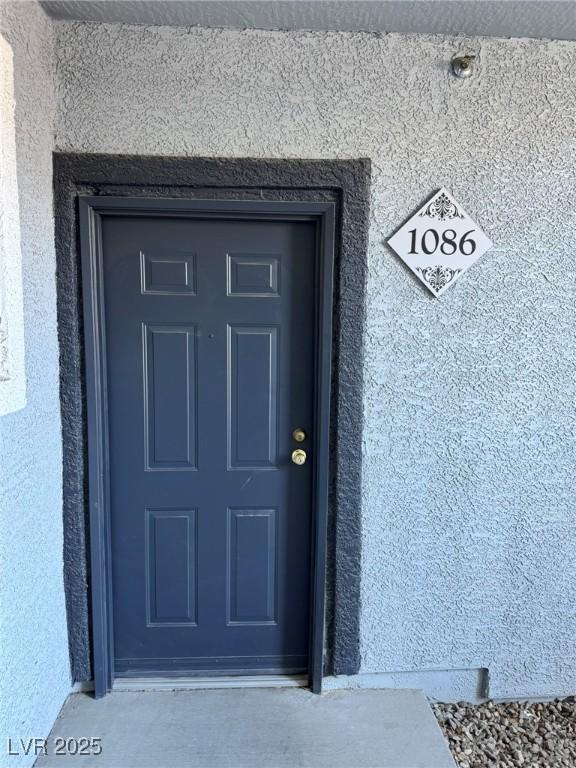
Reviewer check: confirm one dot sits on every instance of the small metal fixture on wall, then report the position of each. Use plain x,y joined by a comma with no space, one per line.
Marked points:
463,66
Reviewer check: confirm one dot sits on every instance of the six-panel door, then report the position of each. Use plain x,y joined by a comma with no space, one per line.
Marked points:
210,367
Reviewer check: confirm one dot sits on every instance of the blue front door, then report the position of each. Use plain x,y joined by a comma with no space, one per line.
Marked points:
210,368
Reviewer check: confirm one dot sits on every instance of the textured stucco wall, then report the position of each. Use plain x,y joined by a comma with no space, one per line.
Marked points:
470,400
12,378
34,665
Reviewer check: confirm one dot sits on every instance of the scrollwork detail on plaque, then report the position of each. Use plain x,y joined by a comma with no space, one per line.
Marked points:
438,277
442,208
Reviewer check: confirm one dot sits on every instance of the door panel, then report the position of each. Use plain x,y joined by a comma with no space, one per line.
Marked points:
252,397
253,275
210,367
171,566
252,559
168,272
170,407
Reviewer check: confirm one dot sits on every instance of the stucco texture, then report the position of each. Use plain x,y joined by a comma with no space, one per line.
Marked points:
12,379
34,665
468,450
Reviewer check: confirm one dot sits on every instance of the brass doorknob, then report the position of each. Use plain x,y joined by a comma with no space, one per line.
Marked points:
299,456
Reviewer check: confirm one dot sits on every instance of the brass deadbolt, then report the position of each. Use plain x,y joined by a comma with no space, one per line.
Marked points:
299,456
299,435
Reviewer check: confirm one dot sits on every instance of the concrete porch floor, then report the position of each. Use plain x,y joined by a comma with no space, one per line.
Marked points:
255,728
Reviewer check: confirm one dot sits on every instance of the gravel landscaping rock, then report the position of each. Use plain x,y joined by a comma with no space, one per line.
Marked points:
511,734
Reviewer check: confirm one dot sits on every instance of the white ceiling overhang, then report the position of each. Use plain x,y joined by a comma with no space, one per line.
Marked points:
555,19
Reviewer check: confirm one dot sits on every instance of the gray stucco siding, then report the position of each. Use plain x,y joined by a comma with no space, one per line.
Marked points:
34,673
468,414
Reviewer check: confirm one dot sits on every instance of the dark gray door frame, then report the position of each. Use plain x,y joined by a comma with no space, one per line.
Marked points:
343,182
91,211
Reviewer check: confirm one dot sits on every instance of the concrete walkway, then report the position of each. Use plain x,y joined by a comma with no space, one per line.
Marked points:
254,728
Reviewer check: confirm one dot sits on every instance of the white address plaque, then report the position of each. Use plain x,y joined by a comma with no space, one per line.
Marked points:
440,242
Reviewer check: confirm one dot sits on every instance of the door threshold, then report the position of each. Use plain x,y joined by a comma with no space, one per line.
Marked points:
193,683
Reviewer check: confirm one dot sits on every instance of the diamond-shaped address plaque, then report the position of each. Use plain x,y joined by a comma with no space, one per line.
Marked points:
440,242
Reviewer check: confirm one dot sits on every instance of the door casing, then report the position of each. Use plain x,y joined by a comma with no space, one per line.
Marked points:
347,183
91,211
